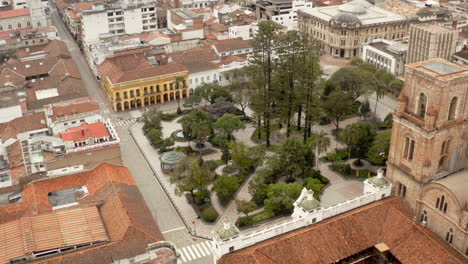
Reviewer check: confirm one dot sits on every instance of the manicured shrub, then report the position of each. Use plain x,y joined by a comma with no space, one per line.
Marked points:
208,213
342,167
219,140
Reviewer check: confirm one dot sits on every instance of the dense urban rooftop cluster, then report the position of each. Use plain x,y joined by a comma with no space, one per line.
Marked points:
235,110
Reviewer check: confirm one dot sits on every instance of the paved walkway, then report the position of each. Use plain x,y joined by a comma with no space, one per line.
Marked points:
339,190
186,211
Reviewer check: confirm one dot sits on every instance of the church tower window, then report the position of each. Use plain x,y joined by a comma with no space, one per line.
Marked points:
409,149
422,102
449,236
452,109
401,190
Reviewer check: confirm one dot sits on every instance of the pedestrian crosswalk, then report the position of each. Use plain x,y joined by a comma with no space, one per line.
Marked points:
126,122
105,111
195,251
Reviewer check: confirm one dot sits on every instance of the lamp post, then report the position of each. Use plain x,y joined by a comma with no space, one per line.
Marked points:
194,227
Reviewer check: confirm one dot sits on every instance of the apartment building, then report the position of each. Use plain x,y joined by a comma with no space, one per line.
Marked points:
283,12
116,19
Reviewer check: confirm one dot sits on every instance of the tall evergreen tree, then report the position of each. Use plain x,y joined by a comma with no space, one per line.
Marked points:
263,62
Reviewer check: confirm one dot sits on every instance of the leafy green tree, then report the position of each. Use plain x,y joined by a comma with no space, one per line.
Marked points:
151,120
350,136
241,93
190,175
281,196
328,87
225,187
319,142
197,126
336,105
367,66
397,84
258,189
226,156
354,81
228,123
384,79
155,136
314,184
220,92
388,120
358,137
356,61
166,143
246,158
364,110
367,135
246,207
291,157
378,152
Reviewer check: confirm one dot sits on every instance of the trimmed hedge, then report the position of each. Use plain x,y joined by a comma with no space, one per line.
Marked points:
246,221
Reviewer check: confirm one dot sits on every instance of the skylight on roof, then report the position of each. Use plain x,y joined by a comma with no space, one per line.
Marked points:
67,197
441,68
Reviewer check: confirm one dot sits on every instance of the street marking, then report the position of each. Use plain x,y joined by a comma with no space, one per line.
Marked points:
174,229
201,250
196,251
125,122
183,258
207,251
208,245
189,249
187,254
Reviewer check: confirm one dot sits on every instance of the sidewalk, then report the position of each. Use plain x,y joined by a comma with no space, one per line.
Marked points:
185,210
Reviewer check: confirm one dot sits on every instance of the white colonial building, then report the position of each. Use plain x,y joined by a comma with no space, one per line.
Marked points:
307,211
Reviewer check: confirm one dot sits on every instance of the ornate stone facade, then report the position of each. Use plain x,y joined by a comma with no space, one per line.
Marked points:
343,29
429,148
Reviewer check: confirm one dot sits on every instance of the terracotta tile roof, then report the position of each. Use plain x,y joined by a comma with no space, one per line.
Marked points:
15,155
67,88
54,48
133,67
50,230
232,58
462,54
14,13
194,55
22,124
388,221
128,221
232,44
10,77
200,66
85,132
73,109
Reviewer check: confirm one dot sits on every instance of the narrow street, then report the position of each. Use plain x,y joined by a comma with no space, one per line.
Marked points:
86,75
168,220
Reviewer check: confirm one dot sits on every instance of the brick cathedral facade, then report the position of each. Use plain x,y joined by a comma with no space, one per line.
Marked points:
428,159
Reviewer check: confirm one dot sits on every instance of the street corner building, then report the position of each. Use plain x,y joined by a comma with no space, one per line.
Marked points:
97,216
137,80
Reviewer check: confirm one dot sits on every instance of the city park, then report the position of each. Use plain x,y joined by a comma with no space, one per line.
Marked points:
243,153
